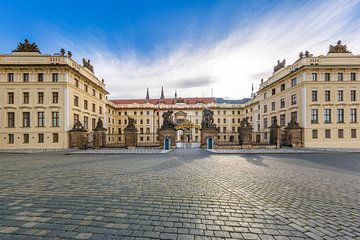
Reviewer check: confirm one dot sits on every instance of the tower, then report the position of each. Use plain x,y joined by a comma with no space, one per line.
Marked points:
162,93
147,94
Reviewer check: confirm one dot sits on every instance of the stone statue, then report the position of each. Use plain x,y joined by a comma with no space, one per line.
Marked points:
131,124
78,126
168,121
207,119
99,126
338,48
245,123
69,54
62,52
26,46
279,65
301,55
274,122
87,64
293,123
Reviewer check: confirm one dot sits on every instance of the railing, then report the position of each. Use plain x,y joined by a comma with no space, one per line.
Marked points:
115,141
260,138
147,140
228,139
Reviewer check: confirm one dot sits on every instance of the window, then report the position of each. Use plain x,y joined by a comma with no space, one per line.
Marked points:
340,133
41,119
314,116
40,77
327,96
282,87
340,77
55,119
265,122
10,98
55,97
293,82
86,88
86,122
55,137
26,119
100,96
340,115
55,77
25,77
273,106
273,91
327,115
352,76
265,108
10,77
353,115
76,82
224,120
282,120
327,133
293,99
26,98
100,110
40,97
282,102
314,133
314,95
40,138
26,138
11,119
327,77
294,116
353,95
265,95
93,123
94,92
93,107
314,76
353,133
340,95
11,138
273,120
85,104
76,118
76,101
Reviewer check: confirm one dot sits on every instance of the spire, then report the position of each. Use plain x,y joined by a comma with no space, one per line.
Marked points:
175,93
147,94
162,93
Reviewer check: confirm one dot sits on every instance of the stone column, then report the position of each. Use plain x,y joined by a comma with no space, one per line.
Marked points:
294,135
207,132
167,133
78,138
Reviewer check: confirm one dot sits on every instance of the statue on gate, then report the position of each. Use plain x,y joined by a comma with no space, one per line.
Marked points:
168,122
207,119
99,126
78,125
131,124
245,123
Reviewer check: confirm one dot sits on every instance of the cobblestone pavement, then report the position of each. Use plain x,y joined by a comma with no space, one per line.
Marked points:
185,194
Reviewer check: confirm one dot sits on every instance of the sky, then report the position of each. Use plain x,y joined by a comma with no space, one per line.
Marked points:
199,48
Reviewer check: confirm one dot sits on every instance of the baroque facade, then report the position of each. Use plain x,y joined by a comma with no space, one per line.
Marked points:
45,96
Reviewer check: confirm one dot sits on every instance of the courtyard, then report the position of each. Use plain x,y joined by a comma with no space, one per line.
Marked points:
183,194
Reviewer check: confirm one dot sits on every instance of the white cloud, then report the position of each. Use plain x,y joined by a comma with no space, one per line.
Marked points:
231,65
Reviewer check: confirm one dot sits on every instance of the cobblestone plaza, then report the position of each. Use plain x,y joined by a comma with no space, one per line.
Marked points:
184,194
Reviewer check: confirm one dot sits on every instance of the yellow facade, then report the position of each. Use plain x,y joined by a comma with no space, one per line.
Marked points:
43,95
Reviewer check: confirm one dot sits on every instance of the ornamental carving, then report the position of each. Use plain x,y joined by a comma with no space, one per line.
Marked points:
245,123
78,126
131,125
279,65
293,124
186,124
99,125
338,48
87,64
207,119
26,46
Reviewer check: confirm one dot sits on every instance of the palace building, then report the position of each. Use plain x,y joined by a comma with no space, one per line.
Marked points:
45,97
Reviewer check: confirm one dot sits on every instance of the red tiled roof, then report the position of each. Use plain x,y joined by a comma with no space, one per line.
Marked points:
167,101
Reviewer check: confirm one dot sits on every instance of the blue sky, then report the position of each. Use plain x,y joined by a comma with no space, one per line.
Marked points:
192,46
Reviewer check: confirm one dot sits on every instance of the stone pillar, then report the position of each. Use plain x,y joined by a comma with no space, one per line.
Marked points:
130,137
274,135
207,132
167,133
293,135
78,138
99,138
245,136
